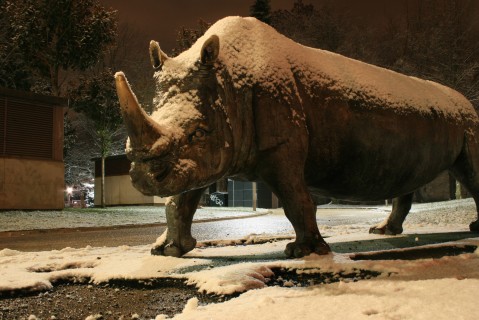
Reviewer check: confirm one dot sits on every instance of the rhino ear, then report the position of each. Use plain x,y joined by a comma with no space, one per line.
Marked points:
157,56
210,50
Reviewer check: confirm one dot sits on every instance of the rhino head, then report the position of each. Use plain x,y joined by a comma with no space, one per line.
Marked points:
186,142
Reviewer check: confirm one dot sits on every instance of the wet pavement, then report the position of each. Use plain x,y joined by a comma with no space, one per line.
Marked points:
335,218
273,223
15,220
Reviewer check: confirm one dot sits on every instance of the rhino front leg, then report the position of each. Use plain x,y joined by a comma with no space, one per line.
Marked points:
301,212
393,224
177,239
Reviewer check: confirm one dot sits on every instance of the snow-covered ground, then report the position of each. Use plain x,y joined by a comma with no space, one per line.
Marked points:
112,216
441,288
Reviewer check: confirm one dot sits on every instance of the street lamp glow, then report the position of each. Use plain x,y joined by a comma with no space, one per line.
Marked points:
69,190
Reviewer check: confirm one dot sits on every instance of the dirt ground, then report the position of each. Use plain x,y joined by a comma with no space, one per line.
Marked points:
120,299
109,301
146,300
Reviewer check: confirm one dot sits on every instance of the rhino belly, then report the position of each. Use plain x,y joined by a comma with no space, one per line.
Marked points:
373,155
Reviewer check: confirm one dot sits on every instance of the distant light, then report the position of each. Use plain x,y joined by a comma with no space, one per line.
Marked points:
69,189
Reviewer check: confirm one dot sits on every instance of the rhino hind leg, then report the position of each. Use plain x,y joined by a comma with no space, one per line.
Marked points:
393,224
177,239
466,171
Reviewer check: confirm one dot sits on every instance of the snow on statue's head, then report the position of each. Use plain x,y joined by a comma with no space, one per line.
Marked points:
186,142
202,126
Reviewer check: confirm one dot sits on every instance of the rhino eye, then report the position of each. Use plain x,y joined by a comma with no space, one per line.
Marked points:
197,135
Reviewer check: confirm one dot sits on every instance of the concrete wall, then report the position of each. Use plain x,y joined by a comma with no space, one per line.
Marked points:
31,184
120,191
440,189
436,190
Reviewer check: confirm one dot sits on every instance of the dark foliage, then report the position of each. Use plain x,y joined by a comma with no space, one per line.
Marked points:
186,37
261,10
51,36
14,73
431,39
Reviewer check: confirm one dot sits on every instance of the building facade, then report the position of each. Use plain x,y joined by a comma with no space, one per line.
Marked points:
31,151
118,187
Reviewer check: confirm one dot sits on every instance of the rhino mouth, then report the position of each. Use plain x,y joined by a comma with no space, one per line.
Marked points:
148,172
162,173
158,167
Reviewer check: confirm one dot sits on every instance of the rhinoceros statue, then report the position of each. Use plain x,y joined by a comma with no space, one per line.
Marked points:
246,102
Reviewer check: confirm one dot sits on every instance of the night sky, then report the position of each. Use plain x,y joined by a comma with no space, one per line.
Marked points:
160,19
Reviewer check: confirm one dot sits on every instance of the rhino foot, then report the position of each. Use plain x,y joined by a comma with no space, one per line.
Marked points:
167,247
474,226
386,229
172,250
302,249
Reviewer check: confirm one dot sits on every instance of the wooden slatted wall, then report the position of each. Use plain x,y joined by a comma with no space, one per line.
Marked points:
26,129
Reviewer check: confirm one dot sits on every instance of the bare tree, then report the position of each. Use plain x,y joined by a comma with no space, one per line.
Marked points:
98,128
96,98
261,9
323,27
443,44
130,54
186,37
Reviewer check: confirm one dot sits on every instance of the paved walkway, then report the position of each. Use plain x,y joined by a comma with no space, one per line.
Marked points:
273,223
108,217
270,222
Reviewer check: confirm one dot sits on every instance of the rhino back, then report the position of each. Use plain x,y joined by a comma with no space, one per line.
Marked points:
372,132
255,54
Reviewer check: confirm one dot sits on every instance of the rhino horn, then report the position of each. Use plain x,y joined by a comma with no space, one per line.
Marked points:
142,130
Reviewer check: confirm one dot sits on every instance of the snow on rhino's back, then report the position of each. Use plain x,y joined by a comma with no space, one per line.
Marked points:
255,53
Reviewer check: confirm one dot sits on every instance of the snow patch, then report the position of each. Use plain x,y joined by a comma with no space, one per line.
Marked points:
178,112
444,288
161,239
360,300
231,279
9,253
191,305
33,271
